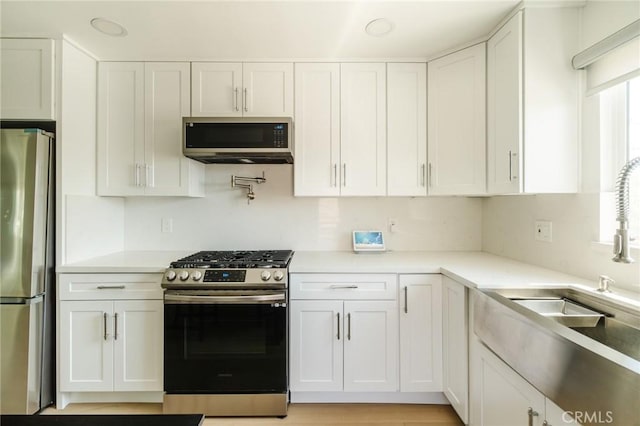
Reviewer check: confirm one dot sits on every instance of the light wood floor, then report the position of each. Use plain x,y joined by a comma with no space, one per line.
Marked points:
304,414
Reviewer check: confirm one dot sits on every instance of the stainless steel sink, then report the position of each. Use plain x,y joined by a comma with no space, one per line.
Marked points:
582,369
563,311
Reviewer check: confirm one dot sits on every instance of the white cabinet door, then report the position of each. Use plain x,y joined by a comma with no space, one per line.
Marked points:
217,89
138,345
27,79
457,142
371,346
504,108
406,129
121,128
455,353
167,96
363,129
317,130
86,346
421,333
500,397
267,89
317,336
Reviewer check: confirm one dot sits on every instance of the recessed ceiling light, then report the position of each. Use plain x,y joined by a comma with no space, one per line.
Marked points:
379,27
108,27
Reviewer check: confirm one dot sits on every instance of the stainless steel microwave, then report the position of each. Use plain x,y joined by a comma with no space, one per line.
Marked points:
259,140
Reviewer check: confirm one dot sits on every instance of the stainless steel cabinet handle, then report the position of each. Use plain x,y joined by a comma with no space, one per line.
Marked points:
104,315
235,99
349,326
512,169
430,178
338,325
422,174
335,174
509,165
531,415
344,174
115,326
136,175
336,287
246,105
406,297
146,176
111,287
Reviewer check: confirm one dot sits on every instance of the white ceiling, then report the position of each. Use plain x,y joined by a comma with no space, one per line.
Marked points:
241,30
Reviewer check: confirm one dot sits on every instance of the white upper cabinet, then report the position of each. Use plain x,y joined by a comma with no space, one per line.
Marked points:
363,129
406,129
27,79
120,128
216,89
532,103
317,129
340,136
140,110
222,89
456,123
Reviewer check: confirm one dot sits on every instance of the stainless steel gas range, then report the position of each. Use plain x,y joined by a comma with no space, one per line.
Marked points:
225,333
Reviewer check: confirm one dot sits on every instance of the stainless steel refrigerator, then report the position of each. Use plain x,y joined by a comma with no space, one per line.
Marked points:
27,296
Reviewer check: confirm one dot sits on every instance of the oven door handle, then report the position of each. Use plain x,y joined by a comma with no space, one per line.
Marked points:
174,299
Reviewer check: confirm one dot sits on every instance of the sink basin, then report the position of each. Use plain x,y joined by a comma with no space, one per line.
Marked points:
563,311
538,333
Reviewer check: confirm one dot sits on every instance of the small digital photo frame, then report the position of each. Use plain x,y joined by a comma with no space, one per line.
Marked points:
368,241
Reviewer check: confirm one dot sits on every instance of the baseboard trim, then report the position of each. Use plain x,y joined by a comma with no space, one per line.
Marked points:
370,397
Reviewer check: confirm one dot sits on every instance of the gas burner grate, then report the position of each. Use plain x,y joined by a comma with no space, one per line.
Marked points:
236,259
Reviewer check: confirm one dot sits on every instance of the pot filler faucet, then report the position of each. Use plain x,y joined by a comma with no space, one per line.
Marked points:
621,238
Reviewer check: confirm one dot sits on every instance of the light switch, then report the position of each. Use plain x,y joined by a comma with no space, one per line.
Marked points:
167,224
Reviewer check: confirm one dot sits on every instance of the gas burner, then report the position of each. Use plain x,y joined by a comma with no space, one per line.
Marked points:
236,259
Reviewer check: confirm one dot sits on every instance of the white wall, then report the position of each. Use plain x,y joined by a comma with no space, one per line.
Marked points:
508,222
275,219
508,230
89,225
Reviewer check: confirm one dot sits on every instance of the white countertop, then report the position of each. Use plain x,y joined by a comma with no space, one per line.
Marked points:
473,269
126,262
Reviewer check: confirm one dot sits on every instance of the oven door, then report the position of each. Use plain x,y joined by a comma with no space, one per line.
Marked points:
225,342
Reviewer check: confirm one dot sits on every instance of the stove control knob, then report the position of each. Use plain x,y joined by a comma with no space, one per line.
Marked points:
278,275
183,275
196,275
265,275
170,275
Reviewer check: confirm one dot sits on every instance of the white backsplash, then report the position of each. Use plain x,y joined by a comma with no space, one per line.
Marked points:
277,220
509,230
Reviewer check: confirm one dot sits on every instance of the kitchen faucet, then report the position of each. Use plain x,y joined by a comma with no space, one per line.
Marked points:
621,238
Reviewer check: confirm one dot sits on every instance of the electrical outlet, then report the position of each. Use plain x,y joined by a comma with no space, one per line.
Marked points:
392,224
167,224
544,231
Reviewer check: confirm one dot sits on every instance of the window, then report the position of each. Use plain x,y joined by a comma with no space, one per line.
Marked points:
620,142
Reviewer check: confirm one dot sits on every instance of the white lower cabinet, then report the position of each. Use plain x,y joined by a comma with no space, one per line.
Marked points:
111,345
421,333
110,336
339,343
501,397
455,352
344,345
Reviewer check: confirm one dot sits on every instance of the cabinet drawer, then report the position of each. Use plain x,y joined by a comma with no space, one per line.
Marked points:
109,286
343,286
